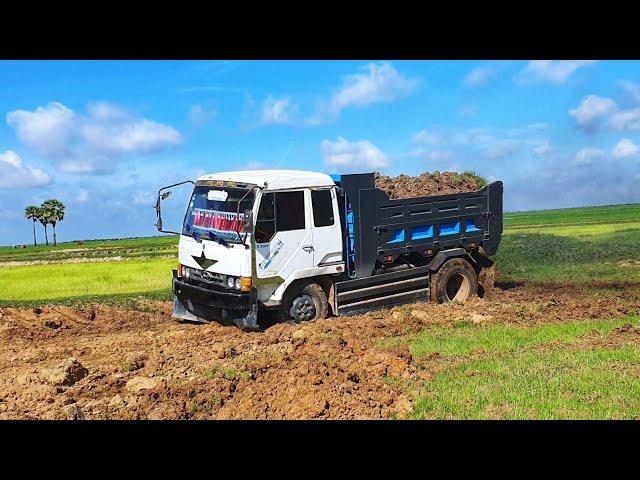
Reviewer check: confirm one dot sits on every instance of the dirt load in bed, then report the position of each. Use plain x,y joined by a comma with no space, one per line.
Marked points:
435,183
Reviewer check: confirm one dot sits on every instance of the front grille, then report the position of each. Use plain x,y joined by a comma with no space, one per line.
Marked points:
206,279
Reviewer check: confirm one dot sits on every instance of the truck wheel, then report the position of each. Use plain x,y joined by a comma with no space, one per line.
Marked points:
304,303
455,281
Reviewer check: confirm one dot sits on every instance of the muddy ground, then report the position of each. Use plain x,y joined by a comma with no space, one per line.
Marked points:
108,362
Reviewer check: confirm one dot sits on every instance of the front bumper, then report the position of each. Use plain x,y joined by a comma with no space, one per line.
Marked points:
198,304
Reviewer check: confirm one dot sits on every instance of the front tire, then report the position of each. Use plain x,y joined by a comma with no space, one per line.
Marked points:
304,303
455,281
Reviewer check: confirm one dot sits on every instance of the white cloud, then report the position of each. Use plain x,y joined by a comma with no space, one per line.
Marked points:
550,71
353,156
427,137
631,89
144,198
481,75
82,196
474,137
14,174
278,110
91,142
587,156
107,112
502,149
137,136
47,129
596,112
543,149
626,120
199,115
255,165
376,83
468,111
439,156
592,111
528,130
625,148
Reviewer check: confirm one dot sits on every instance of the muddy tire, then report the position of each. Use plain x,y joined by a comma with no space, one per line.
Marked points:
455,281
304,303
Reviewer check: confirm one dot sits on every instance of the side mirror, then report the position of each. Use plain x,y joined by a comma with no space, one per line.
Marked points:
163,196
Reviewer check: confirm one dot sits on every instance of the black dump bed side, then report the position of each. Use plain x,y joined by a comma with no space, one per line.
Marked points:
386,227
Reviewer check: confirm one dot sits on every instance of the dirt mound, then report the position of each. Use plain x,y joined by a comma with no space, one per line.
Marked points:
139,363
436,183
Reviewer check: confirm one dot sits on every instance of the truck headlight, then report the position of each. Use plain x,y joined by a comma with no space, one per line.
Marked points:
237,283
231,282
187,272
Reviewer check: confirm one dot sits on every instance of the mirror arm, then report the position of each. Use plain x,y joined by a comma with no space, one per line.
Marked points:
159,208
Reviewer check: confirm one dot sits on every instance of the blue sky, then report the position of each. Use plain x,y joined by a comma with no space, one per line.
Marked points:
103,136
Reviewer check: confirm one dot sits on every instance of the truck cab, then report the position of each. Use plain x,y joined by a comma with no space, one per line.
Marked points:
308,245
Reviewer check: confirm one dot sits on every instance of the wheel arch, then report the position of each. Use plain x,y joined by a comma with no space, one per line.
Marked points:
325,282
444,255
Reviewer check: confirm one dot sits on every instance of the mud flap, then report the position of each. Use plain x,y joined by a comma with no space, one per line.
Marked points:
180,312
248,322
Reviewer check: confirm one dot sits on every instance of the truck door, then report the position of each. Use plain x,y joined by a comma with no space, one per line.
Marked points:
327,232
283,234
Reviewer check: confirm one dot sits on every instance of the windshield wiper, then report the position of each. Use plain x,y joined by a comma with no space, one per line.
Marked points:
211,236
217,238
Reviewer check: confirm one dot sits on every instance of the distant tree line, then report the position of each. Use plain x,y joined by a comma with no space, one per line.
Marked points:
49,213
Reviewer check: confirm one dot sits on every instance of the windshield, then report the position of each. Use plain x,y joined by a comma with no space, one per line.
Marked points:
212,213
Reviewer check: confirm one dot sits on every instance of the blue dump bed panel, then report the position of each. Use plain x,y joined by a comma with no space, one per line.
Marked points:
438,222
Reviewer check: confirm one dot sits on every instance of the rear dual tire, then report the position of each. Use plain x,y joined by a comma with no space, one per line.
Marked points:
455,281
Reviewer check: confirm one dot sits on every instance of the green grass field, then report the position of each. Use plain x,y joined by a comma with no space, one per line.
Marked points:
126,248
536,372
580,244
137,267
61,281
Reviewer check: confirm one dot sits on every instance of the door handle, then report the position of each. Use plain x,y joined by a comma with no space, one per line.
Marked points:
308,248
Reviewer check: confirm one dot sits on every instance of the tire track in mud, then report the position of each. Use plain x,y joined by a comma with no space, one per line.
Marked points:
142,364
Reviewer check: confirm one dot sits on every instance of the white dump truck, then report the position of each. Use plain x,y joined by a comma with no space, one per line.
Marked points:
311,245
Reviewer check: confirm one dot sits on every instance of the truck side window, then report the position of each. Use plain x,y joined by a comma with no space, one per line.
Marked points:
289,211
266,221
322,208
279,212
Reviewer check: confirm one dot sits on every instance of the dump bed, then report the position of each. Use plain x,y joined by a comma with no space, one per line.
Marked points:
439,222
380,227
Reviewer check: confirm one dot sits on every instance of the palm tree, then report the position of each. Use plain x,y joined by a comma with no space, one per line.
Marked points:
32,213
43,218
55,213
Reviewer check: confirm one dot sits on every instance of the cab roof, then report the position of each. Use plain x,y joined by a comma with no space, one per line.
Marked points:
274,179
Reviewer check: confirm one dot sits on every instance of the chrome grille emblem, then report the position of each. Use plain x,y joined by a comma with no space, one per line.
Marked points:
206,275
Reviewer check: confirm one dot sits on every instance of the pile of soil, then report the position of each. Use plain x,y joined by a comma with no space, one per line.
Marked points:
436,183
139,363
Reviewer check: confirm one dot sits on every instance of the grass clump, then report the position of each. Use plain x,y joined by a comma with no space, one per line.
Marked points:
472,176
